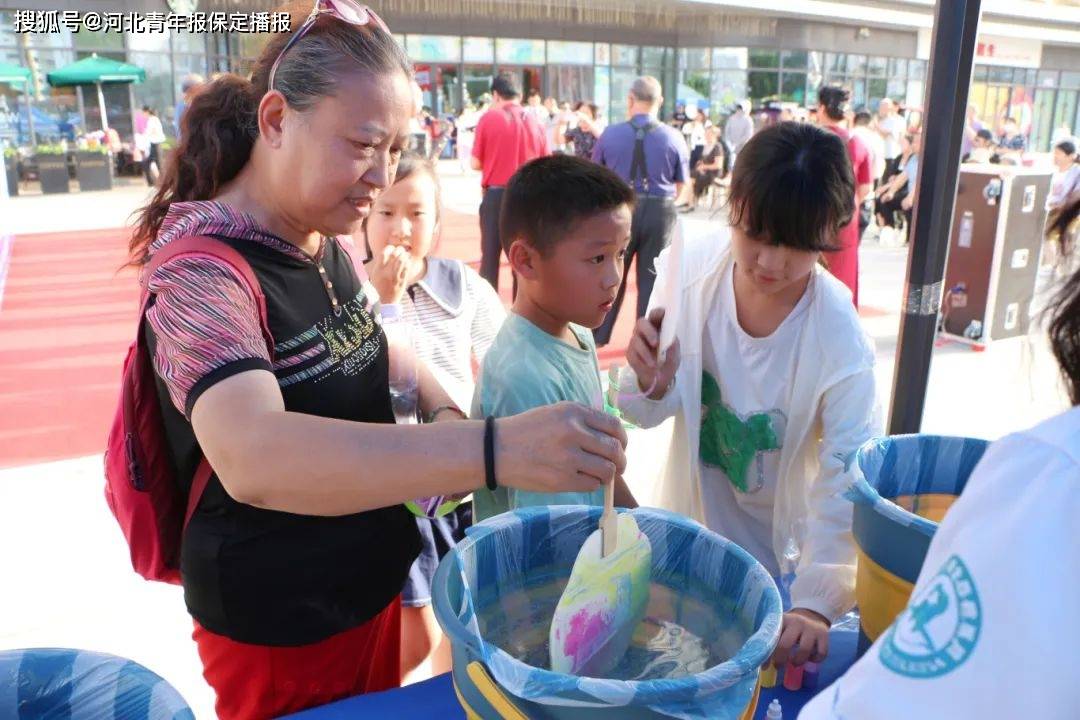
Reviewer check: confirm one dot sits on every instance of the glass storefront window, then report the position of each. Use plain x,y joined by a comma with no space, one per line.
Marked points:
602,92
434,48
656,57
793,89
157,91
519,52
764,58
876,89
794,59
479,50
624,55
569,53
1024,76
916,70
195,43
856,64
896,88
897,68
835,64
858,92
999,74
148,42
85,40
571,83
762,85
250,45
730,58
602,54
728,88
477,82
621,80
1048,78
694,88
694,58
1070,79
877,66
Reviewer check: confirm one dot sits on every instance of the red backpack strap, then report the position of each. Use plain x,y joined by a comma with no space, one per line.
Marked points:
206,246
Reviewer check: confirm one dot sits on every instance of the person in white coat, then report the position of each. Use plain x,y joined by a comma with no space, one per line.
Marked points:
989,630
771,380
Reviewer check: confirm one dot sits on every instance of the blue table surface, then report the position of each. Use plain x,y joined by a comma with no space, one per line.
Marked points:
436,698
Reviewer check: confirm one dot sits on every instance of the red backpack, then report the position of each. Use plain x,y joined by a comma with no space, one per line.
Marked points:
140,487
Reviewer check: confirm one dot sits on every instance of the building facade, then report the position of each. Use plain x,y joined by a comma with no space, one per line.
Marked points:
709,53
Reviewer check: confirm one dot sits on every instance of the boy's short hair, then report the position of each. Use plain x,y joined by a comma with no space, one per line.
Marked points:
547,196
793,186
862,118
506,85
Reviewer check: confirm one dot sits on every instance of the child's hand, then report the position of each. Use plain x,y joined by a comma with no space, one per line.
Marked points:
642,356
805,629
388,271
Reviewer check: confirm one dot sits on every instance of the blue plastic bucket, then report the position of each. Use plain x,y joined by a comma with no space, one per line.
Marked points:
903,487
498,573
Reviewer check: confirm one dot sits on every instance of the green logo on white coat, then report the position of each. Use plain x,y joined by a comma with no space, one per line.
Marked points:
940,627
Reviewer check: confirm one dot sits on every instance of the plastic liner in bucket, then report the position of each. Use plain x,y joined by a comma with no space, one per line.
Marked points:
903,486
511,569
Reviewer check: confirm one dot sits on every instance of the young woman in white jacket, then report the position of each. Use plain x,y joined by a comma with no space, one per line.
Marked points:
771,380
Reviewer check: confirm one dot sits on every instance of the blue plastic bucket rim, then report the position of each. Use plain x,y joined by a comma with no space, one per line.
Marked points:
654,691
861,492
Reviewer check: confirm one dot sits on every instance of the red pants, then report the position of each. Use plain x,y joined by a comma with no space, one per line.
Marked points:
257,681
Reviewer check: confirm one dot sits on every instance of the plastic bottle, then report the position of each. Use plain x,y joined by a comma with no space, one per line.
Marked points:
774,712
793,677
810,675
403,383
768,677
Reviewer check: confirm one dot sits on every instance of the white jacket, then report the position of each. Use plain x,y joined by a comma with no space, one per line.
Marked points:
991,626
833,410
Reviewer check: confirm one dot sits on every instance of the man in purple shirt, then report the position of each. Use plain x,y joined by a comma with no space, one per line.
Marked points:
653,159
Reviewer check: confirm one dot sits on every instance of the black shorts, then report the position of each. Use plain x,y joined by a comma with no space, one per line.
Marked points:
437,537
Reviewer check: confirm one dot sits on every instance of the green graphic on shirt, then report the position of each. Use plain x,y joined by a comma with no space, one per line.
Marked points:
730,443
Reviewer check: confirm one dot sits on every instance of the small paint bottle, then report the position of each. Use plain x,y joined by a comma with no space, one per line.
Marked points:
768,676
774,712
793,677
810,675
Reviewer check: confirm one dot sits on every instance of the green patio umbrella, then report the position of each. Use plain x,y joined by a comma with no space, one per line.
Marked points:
96,70
17,76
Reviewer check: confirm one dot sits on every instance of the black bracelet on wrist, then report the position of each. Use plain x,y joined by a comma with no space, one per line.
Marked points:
489,453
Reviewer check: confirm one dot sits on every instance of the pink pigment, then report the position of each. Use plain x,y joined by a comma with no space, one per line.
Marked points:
585,628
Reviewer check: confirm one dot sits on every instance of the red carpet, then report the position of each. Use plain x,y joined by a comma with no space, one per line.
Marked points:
67,316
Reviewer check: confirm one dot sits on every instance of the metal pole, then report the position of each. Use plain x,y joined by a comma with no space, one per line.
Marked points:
82,105
952,54
29,114
101,105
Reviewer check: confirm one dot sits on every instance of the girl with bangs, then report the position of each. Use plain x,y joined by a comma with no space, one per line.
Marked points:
771,378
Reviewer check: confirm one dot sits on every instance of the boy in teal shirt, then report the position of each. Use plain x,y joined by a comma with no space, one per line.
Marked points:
565,226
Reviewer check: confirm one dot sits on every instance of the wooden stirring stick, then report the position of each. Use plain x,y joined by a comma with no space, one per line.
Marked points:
609,522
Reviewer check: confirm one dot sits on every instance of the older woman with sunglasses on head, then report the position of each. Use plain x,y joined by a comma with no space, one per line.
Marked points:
294,559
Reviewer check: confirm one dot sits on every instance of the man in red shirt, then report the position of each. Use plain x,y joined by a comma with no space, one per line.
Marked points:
507,137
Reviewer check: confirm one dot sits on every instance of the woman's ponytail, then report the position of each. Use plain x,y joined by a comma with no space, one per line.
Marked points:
217,133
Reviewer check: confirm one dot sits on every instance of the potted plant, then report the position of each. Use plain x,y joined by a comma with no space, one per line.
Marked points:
11,169
93,169
52,168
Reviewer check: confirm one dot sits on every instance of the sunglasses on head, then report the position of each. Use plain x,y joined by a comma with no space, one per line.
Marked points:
348,11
